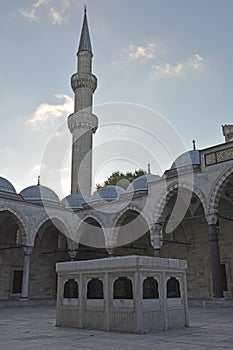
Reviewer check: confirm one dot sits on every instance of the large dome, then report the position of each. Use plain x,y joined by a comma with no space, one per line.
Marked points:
39,193
187,158
6,186
107,193
75,201
141,182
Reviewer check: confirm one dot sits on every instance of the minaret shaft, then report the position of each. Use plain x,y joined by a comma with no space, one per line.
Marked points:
82,123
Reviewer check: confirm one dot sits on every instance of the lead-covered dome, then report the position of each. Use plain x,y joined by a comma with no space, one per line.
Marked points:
75,201
107,193
6,186
141,182
39,193
187,158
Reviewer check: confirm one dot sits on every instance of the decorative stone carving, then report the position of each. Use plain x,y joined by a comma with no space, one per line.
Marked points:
156,235
211,218
227,131
83,81
72,254
219,156
27,250
82,120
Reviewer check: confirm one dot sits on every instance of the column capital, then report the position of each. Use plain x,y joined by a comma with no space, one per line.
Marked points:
83,120
72,254
27,250
110,251
156,235
156,226
211,218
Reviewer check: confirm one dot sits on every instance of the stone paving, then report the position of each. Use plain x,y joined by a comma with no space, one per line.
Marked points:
33,327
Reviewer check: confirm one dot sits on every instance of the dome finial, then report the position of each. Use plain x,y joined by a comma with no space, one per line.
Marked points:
38,183
148,168
194,145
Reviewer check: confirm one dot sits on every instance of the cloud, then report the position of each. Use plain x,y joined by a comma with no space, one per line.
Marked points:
47,114
57,17
55,9
196,63
29,14
146,51
40,2
171,70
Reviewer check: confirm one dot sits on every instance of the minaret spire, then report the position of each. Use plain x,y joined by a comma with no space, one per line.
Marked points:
85,41
83,123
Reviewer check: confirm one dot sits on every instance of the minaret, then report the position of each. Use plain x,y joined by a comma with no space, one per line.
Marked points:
82,123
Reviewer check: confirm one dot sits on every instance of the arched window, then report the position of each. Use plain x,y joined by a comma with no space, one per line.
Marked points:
173,288
122,288
70,289
150,288
95,289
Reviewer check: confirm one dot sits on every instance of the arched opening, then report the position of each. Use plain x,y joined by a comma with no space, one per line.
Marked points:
133,235
95,289
188,241
12,255
150,288
122,288
225,228
92,240
173,288
50,247
70,289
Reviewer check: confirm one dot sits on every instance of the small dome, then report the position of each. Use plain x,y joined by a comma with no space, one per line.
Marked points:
6,186
107,193
39,193
75,201
141,182
187,158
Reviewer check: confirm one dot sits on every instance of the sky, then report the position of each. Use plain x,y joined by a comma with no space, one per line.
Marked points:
165,77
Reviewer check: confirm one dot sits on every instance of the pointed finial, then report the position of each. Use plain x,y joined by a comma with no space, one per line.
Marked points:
194,145
85,41
148,168
38,184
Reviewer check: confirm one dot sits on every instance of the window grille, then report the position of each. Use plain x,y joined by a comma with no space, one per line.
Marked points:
150,288
122,288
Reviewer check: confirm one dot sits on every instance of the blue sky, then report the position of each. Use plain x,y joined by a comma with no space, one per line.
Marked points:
170,56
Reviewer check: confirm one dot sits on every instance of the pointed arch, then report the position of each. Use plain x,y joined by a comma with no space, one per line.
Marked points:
217,189
169,192
133,208
91,238
57,222
21,222
131,234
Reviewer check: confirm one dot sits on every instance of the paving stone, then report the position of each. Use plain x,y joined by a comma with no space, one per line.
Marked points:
33,327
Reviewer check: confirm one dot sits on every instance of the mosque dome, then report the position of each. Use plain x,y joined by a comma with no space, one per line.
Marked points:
6,186
141,182
39,193
107,193
75,201
187,158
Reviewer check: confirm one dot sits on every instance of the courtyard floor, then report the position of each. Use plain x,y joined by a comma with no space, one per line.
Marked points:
33,327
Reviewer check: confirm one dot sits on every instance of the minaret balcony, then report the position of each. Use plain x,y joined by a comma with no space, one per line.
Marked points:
82,80
82,120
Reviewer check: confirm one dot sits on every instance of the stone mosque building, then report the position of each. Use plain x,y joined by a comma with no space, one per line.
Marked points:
37,230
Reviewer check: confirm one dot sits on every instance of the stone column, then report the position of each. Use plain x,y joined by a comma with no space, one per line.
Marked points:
26,272
156,237
215,261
